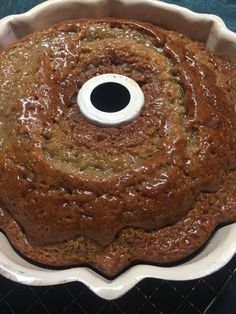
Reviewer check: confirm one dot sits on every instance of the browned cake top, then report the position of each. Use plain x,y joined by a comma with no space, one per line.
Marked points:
61,176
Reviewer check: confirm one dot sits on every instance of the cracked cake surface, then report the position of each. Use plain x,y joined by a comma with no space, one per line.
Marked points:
153,190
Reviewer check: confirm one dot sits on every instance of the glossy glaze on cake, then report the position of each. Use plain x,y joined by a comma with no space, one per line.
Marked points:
152,190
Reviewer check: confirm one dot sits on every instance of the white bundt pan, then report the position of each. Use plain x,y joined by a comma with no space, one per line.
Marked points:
203,27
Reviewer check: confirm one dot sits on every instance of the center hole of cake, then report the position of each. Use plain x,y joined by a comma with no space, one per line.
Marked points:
110,97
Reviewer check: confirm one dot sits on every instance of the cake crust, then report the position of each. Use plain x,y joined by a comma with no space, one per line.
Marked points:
152,190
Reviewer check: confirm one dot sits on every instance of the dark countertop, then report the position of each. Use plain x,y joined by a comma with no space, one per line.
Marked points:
215,294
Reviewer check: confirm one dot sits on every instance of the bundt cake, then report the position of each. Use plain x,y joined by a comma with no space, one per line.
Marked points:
152,190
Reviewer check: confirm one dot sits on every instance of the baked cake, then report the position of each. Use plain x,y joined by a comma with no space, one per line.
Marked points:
153,190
